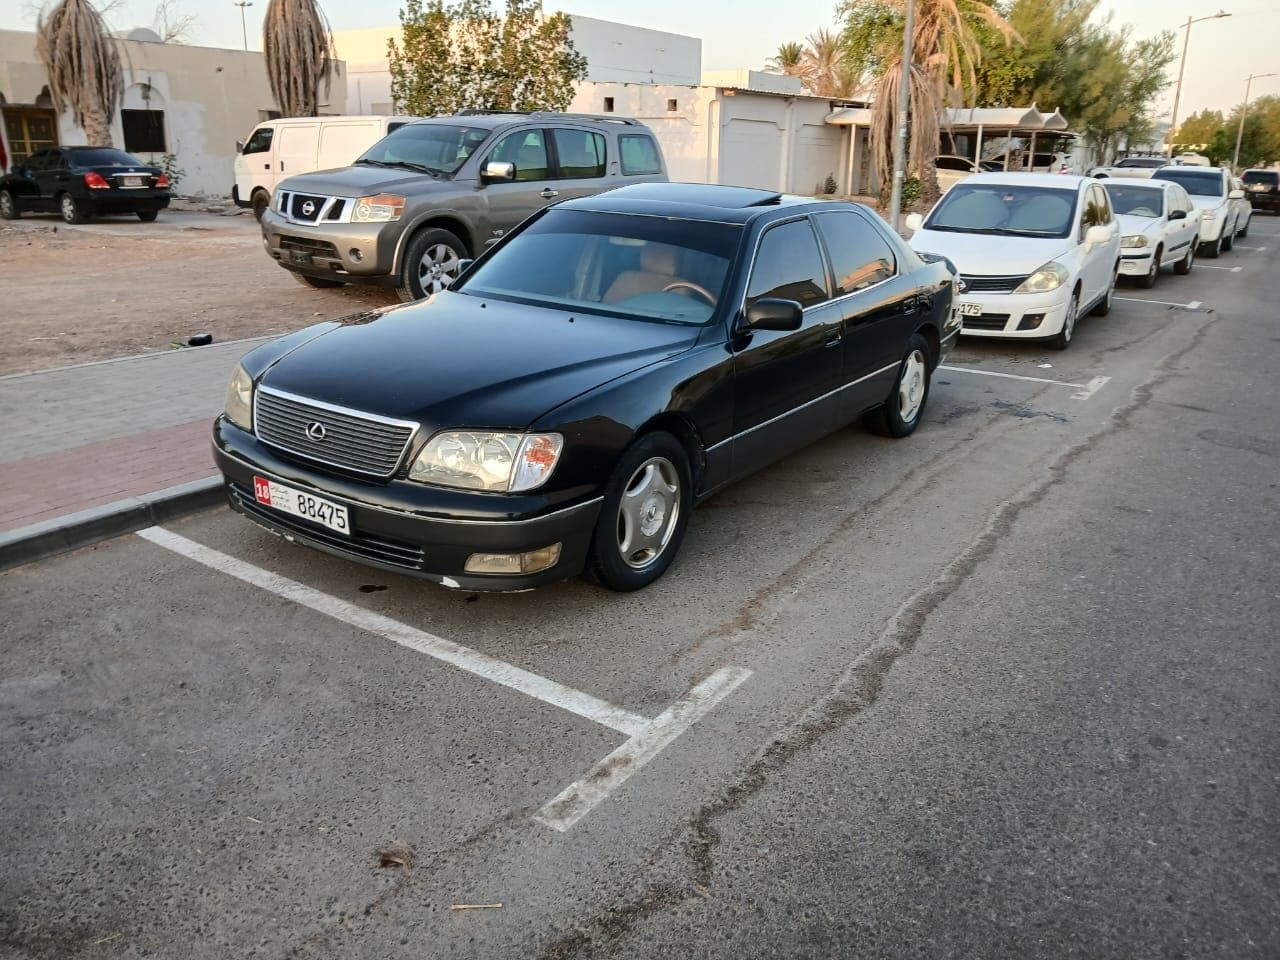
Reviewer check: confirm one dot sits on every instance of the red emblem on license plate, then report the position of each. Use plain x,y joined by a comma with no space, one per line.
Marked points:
262,490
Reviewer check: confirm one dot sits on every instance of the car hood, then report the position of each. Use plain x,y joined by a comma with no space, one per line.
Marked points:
361,181
462,361
979,254
1132,226
1209,203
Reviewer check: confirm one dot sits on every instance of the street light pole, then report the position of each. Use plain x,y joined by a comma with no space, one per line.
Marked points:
244,32
1235,161
1182,65
904,106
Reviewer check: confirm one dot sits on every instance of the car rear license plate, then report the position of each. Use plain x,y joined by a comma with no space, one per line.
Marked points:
970,309
132,181
299,503
297,256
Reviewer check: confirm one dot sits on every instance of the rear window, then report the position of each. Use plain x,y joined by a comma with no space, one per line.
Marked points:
1197,182
1261,176
101,157
639,155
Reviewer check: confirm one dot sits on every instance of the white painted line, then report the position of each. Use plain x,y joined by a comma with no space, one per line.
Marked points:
472,661
577,800
1241,246
1193,305
1208,266
1083,390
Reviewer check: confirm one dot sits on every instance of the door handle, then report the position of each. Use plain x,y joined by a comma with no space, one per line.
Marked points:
282,166
834,336
548,193
266,166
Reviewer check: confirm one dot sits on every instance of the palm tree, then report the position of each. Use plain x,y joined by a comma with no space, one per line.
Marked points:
946,53
83,66
299,53
825,70
788,61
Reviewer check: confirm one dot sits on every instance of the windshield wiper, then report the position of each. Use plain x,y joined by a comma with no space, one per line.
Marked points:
410,165
372,163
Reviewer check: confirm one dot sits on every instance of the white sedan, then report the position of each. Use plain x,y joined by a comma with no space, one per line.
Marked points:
1034,252
1224,211
1159,227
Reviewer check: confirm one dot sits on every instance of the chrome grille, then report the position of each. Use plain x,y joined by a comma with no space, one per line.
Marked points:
991,284
349,439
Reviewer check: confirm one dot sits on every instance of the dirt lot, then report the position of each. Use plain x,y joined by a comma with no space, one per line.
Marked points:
117,287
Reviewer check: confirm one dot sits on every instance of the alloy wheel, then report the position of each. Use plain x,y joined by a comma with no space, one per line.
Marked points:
648,512
68,208
438,268
911,387
6,205
1069,321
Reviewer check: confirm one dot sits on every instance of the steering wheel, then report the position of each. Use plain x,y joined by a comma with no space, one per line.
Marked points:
690,285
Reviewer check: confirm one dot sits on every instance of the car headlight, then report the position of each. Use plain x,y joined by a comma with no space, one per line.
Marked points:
381,208
1137,240
239,405
501,462
1048,277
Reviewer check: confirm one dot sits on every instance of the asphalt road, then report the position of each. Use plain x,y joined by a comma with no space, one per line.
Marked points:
1004,689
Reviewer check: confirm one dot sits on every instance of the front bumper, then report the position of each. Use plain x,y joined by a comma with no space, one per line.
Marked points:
1019,316
1136,261
406,527
350,252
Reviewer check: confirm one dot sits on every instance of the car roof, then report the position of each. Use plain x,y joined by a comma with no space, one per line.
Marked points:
692,201
1063,181
1153,184
1187,168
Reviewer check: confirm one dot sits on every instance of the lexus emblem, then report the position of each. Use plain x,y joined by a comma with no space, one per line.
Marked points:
309,209
962,285
315,431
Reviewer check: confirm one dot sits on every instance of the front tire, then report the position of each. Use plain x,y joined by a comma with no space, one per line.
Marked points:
900,414
71,211
1213,250
1228,238
1183,266
9,206
430,264
645,514
1244,234
317,283
1063,339
1103,306
1149,280
259,203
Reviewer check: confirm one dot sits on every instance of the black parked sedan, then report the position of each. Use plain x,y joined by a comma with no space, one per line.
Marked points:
79,182
609,364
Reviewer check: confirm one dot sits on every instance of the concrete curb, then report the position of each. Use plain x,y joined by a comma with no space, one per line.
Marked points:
47,539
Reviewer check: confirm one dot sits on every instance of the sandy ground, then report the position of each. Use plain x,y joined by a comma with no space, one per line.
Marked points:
117,287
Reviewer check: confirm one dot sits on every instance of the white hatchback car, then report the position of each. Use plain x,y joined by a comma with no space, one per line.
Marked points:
1224,211
1159,227
1033,251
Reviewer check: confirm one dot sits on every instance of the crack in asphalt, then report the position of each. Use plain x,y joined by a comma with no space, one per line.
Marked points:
858,687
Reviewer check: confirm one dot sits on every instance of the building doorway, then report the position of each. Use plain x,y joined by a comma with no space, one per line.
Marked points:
29,129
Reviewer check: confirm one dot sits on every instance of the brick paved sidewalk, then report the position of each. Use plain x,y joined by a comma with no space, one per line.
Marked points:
89,436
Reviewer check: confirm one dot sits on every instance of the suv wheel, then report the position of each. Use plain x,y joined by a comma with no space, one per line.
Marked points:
8,207
430,264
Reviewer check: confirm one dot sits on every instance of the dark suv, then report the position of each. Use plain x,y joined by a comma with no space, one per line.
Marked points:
436,192
1262,187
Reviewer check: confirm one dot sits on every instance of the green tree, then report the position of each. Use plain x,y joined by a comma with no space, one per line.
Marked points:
1198,129
788,61
1260,144
463,55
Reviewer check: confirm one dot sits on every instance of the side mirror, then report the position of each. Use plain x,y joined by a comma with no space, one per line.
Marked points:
914,222
1096,235
1177,214
1235,195
770,313
498,171
239,146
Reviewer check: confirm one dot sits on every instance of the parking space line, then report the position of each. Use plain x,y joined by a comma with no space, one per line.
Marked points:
1193,305
1083,390
472,661
576,800
1241,246
1209,266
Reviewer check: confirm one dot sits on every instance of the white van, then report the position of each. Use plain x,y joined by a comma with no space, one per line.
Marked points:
281,148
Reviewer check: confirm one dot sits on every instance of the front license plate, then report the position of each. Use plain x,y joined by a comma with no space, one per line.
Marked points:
297,256
286,499
132,181
970,309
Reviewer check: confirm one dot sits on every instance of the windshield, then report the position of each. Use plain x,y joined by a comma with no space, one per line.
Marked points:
102,157
1006,210
1136,201
644,268
428,147
1198,183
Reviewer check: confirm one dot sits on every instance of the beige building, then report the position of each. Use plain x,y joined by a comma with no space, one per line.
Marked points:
188,101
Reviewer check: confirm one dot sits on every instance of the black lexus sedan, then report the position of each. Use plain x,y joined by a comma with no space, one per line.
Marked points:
580,387
79,182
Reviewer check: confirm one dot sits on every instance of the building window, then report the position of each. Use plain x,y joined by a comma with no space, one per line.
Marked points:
672,106
608,104
29,130
143,131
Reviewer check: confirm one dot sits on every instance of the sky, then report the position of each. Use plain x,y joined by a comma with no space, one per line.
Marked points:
1221,53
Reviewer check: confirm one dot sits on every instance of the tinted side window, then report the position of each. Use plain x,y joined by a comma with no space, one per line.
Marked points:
581,153
527,150
953,163
38,160
789,266
260,140
859,256
639,155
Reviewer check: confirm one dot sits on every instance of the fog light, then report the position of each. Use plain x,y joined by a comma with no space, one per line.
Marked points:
513,563
355,254
1030,321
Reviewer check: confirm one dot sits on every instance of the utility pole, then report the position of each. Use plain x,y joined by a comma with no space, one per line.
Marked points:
904,106
1182,65
244,32
1235,161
